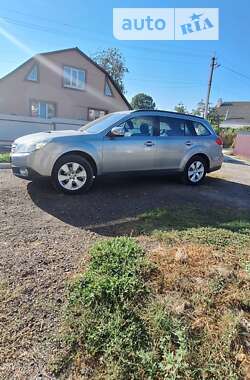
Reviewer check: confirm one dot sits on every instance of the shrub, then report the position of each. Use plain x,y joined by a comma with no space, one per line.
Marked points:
228,136
4,157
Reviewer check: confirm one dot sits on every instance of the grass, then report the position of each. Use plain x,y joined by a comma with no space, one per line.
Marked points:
114,320
176,311
4,157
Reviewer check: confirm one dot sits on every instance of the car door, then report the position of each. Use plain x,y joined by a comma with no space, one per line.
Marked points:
172,142
135,151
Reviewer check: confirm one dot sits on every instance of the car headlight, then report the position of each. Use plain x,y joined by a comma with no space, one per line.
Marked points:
40,145
28,148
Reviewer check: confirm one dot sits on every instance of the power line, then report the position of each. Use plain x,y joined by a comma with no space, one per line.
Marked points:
161,79
46,29
78,27
236,72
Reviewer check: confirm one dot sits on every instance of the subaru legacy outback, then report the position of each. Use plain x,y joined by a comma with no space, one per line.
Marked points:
121,142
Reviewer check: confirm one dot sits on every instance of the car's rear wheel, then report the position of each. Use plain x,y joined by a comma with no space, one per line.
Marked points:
72,174
195,171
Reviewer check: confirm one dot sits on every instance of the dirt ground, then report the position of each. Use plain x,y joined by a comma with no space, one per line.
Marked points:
45,236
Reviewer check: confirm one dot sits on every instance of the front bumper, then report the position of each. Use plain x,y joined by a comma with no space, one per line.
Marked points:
25,173
21,164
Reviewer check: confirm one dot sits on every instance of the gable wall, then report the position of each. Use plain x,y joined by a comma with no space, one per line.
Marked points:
16,92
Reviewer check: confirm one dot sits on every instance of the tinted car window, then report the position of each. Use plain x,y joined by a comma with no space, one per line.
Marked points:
139,126
200,129
170,126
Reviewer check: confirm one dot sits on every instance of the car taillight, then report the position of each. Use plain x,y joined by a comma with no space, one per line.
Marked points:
219,141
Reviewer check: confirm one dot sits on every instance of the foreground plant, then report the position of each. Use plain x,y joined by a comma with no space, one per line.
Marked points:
113,320
181,312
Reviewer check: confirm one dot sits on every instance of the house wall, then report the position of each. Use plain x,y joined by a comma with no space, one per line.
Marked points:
242,144
16,92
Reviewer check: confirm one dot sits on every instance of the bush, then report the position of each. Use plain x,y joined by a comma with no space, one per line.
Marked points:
4,157
228,136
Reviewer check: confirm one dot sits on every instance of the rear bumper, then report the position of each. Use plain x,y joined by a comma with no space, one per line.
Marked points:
215,168
216,162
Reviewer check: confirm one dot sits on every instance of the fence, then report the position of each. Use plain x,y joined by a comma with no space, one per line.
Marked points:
12,126
242,144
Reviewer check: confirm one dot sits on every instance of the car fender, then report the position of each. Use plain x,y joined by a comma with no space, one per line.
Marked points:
193,152
53,151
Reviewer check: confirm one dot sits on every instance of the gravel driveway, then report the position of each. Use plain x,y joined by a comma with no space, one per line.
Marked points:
44,238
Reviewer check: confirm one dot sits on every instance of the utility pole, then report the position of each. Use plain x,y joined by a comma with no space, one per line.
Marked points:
213,65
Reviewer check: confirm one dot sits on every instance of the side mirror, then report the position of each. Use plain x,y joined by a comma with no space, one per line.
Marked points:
117,131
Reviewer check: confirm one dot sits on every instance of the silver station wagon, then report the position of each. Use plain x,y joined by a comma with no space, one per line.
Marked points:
121,142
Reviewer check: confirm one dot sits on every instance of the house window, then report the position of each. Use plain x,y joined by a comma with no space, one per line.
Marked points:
107,89
33,74
74,78
95,114
45,110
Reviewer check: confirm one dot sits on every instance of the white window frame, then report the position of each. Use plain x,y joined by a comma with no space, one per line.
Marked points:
107,85
35,66
39,108
77,71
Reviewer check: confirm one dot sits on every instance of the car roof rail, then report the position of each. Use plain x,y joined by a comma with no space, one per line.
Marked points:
171,112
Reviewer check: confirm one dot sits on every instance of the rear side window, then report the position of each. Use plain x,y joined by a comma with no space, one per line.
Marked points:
200,129
170,126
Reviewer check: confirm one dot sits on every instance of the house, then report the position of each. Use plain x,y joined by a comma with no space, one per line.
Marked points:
64,84
234,114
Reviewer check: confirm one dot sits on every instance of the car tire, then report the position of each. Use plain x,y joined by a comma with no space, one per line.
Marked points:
72,174
195,171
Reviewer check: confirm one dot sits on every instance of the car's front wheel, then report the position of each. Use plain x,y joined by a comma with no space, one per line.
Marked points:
72,174
195,171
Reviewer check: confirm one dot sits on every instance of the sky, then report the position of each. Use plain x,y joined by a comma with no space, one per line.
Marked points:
169,71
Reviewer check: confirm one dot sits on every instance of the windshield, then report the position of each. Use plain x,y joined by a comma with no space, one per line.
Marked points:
102,123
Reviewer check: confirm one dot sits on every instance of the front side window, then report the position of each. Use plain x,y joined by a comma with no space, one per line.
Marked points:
139,126
45,110
74,78
33,74
95,114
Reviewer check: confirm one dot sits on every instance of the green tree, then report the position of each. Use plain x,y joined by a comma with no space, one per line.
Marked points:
114,63
180,108
213,117
143,101
200,109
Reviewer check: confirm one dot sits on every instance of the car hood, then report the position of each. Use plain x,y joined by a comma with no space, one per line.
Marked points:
37,137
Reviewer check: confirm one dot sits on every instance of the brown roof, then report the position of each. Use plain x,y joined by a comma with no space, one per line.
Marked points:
234,110
86,57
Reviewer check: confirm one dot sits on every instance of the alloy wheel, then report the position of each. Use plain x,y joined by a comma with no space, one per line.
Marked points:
72,176
196,171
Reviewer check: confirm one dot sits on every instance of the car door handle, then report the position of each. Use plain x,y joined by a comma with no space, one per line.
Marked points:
149,143
188,143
